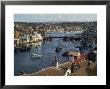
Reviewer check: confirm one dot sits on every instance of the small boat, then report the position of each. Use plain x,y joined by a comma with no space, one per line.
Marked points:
37,46
35,55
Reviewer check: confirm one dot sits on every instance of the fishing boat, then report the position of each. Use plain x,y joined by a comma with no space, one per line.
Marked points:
35,55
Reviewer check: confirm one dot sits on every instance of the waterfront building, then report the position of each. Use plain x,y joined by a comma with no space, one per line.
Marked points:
16,42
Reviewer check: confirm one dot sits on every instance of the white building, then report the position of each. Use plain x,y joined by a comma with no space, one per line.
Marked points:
68,72
37,36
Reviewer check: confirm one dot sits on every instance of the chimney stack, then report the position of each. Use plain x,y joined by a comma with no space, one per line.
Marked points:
57,64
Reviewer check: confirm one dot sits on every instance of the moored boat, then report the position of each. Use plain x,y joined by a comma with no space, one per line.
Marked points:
35,55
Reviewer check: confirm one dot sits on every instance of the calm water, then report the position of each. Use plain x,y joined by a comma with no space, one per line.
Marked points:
24,62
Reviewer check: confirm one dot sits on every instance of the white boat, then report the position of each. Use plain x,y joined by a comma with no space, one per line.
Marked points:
35,55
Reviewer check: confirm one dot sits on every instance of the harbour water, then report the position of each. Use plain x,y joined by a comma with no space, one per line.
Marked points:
23,61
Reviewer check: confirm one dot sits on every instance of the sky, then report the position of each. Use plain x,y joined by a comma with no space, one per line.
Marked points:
54,17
